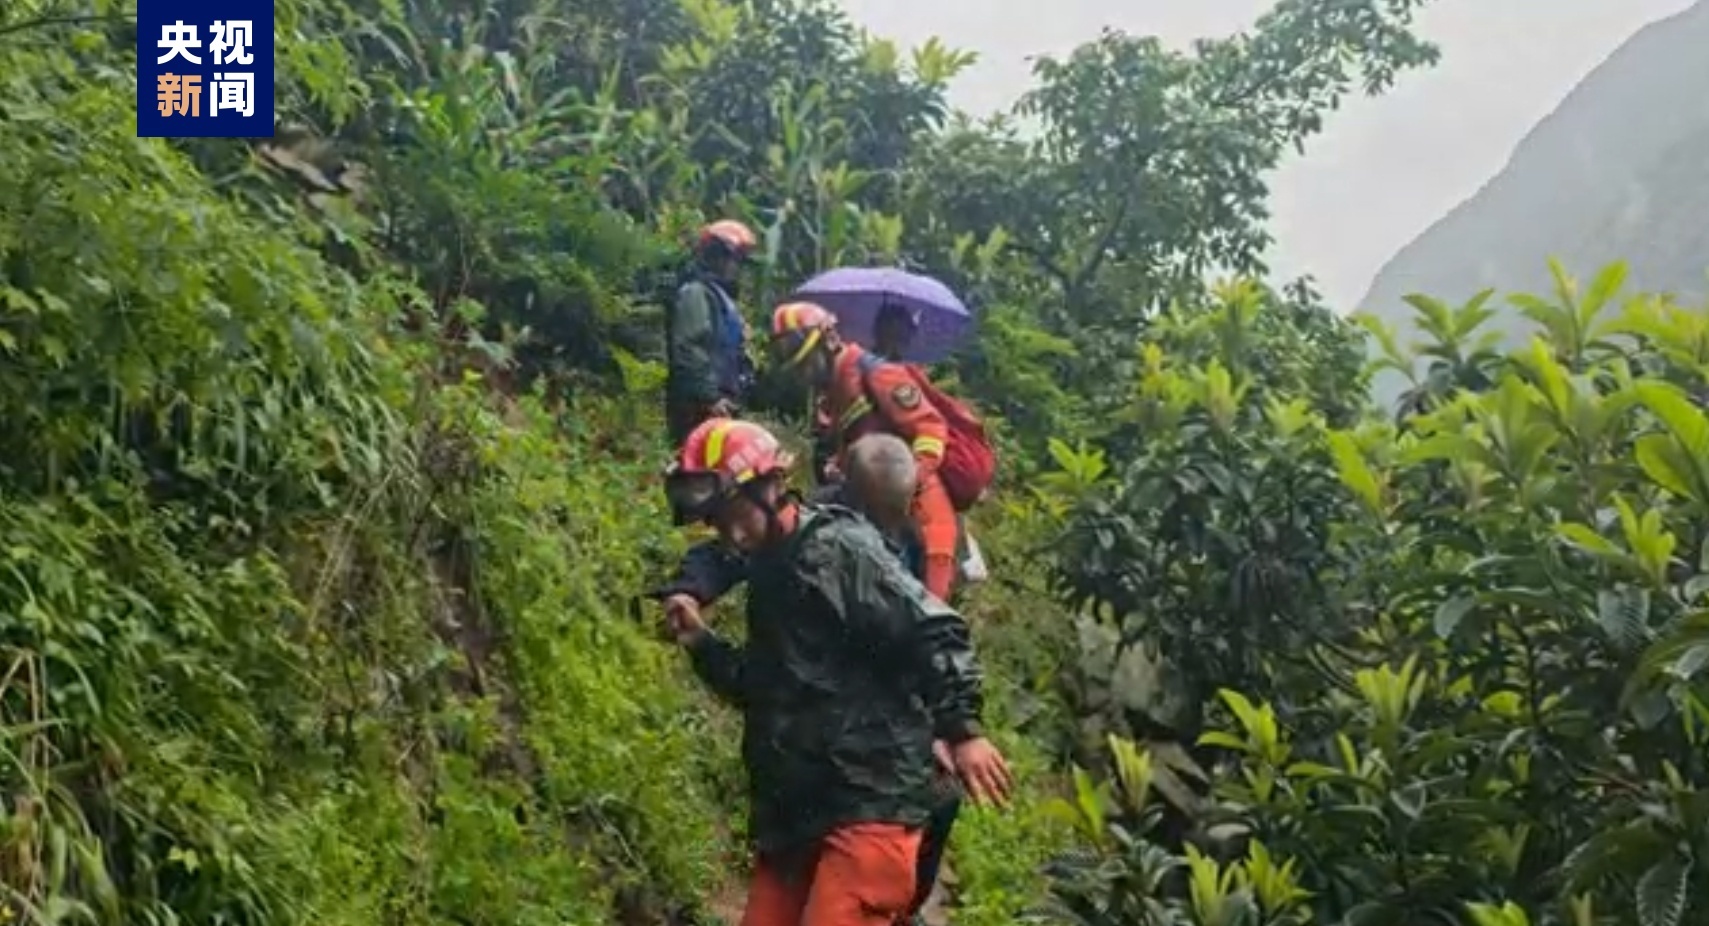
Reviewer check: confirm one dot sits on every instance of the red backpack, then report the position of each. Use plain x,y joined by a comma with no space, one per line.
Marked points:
969,465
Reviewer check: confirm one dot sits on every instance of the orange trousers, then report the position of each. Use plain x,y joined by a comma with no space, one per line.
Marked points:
862,875
934,518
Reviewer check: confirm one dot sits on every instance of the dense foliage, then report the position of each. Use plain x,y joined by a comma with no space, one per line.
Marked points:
1444,670
330,462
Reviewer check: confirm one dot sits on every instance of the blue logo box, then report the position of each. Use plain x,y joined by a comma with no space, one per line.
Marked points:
204,68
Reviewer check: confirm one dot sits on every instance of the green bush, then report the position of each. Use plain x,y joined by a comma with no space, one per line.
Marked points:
290,633
998,855
1489,704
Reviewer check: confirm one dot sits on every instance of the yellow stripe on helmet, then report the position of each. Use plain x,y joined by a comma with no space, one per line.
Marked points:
807,344
714,452
794,316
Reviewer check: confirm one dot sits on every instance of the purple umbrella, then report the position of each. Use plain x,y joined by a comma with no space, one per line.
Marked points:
857,294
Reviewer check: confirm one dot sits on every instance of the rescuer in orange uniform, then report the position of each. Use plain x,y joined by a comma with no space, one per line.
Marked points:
863,393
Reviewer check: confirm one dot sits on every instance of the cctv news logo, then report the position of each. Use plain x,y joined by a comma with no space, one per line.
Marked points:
205,68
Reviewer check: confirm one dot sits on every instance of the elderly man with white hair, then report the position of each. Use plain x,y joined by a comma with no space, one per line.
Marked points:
882,477
880,483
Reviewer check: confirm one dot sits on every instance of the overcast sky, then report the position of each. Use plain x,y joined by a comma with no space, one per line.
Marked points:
1384,169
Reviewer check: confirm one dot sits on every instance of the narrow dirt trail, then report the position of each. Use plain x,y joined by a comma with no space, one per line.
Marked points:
936,911
727,904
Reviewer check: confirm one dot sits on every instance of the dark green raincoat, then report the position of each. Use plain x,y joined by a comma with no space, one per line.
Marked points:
850,670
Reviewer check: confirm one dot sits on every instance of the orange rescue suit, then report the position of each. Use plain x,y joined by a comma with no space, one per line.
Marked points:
903,411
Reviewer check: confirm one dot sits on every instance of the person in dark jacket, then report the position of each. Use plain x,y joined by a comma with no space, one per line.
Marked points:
880,483
893,331
850,671
709,371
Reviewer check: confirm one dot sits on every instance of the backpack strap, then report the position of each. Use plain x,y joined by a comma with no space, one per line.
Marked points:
867,364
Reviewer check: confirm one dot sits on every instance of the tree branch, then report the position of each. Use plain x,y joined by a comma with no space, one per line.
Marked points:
1101,249
1043,261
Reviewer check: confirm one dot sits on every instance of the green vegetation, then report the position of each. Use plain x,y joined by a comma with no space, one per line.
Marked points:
331,469
1445,670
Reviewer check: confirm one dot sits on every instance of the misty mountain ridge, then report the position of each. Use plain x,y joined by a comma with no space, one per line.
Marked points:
1619,171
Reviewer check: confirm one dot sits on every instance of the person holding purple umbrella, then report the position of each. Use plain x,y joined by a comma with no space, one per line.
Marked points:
894,330
907,317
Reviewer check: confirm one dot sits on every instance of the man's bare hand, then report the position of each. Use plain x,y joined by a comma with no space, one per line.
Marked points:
683,622
983,771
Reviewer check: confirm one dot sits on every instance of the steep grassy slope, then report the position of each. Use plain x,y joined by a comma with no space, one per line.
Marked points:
300,620
1620,170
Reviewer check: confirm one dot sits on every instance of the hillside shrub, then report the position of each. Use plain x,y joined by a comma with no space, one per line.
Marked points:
1489,704
998,856
289,631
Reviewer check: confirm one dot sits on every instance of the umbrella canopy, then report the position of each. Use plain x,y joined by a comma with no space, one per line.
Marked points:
856,295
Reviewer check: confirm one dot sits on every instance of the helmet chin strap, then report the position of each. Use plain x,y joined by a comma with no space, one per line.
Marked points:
773,511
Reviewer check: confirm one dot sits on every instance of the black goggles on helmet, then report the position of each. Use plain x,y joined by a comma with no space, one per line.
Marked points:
694,496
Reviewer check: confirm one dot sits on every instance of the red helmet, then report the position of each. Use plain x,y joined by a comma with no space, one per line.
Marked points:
720,457
734,236
797,328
